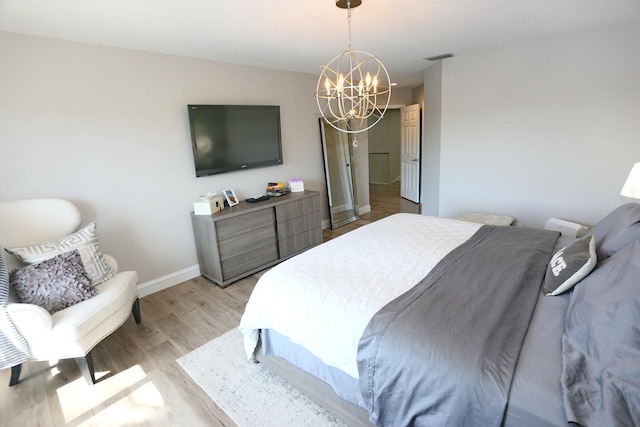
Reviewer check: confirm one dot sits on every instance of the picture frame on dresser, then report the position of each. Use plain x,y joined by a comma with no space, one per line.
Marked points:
232,200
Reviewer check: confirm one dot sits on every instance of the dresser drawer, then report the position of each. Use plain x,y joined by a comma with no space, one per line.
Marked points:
247,261
246,223
298,225
299,242
298,208
246,242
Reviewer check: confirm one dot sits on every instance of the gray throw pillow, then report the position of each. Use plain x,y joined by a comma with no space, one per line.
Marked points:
54,284
617,230
570,265
84,240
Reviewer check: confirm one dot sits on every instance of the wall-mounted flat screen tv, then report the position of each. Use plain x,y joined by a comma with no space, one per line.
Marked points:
233,137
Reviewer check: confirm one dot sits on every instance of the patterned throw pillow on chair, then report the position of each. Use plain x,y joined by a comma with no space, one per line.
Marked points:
55,283
84,240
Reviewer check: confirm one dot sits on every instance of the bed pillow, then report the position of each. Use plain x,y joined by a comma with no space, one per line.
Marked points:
570,265
617,230
84,240
600,346
55,283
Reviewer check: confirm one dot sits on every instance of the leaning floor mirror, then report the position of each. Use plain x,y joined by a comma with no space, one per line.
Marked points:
338,168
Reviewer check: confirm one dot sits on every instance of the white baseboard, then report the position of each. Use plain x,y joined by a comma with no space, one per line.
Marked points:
164,282
364,209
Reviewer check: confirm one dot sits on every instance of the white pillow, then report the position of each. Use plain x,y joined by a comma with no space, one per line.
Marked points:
84,240
570,265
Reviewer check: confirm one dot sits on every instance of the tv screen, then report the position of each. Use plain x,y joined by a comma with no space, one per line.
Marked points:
234,137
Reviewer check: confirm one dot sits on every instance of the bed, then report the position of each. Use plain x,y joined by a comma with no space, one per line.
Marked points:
417,320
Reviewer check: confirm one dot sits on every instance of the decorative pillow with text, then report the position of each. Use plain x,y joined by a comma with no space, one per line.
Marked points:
570,265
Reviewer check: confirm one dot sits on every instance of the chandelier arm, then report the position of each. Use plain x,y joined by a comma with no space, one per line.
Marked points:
332,111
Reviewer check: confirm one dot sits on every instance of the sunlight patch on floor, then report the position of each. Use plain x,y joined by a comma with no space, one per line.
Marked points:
138,407
123,399
54,370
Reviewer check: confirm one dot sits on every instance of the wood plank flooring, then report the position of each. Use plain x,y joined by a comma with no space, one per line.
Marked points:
385,200
139,381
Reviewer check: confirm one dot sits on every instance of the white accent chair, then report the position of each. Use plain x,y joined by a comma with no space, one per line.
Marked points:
74,331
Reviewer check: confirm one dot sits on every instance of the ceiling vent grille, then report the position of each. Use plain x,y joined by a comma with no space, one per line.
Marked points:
439,57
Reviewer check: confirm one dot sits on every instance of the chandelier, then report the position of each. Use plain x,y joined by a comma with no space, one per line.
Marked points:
353,87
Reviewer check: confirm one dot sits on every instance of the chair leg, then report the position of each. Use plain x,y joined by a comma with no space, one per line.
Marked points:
86,367
15,375
136,311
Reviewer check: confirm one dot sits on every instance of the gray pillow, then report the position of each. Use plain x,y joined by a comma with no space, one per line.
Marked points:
617,230
570,265
84,240
54,284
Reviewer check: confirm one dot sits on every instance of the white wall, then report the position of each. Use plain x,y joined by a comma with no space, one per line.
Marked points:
431,140
543,129
108,129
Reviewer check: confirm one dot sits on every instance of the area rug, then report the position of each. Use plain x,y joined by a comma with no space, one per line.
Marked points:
249,393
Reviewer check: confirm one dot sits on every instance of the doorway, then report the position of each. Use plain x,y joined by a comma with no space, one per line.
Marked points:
384,149
394,151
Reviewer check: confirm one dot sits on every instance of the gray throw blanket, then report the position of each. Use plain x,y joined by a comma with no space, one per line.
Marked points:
13,348
444,353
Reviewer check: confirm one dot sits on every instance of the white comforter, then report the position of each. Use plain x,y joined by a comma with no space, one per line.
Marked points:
324,298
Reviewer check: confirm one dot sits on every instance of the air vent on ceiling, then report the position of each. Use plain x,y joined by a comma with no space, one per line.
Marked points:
439,57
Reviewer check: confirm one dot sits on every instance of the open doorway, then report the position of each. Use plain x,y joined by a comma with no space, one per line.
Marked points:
394,151
384,149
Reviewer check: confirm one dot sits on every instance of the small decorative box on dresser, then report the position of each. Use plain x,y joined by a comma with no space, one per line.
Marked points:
248,237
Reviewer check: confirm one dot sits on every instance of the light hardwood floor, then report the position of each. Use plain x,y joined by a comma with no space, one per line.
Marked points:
139,381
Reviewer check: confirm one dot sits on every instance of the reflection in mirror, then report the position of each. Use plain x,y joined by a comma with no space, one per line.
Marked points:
338,168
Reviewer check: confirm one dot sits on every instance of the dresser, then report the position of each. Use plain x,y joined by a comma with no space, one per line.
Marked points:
240,240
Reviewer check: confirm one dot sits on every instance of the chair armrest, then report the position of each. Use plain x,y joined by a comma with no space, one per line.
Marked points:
111,261
30,320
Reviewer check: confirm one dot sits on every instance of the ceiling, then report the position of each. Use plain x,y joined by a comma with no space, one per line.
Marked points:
302,35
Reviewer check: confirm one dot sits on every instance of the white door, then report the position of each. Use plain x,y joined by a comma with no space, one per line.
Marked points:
410,153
